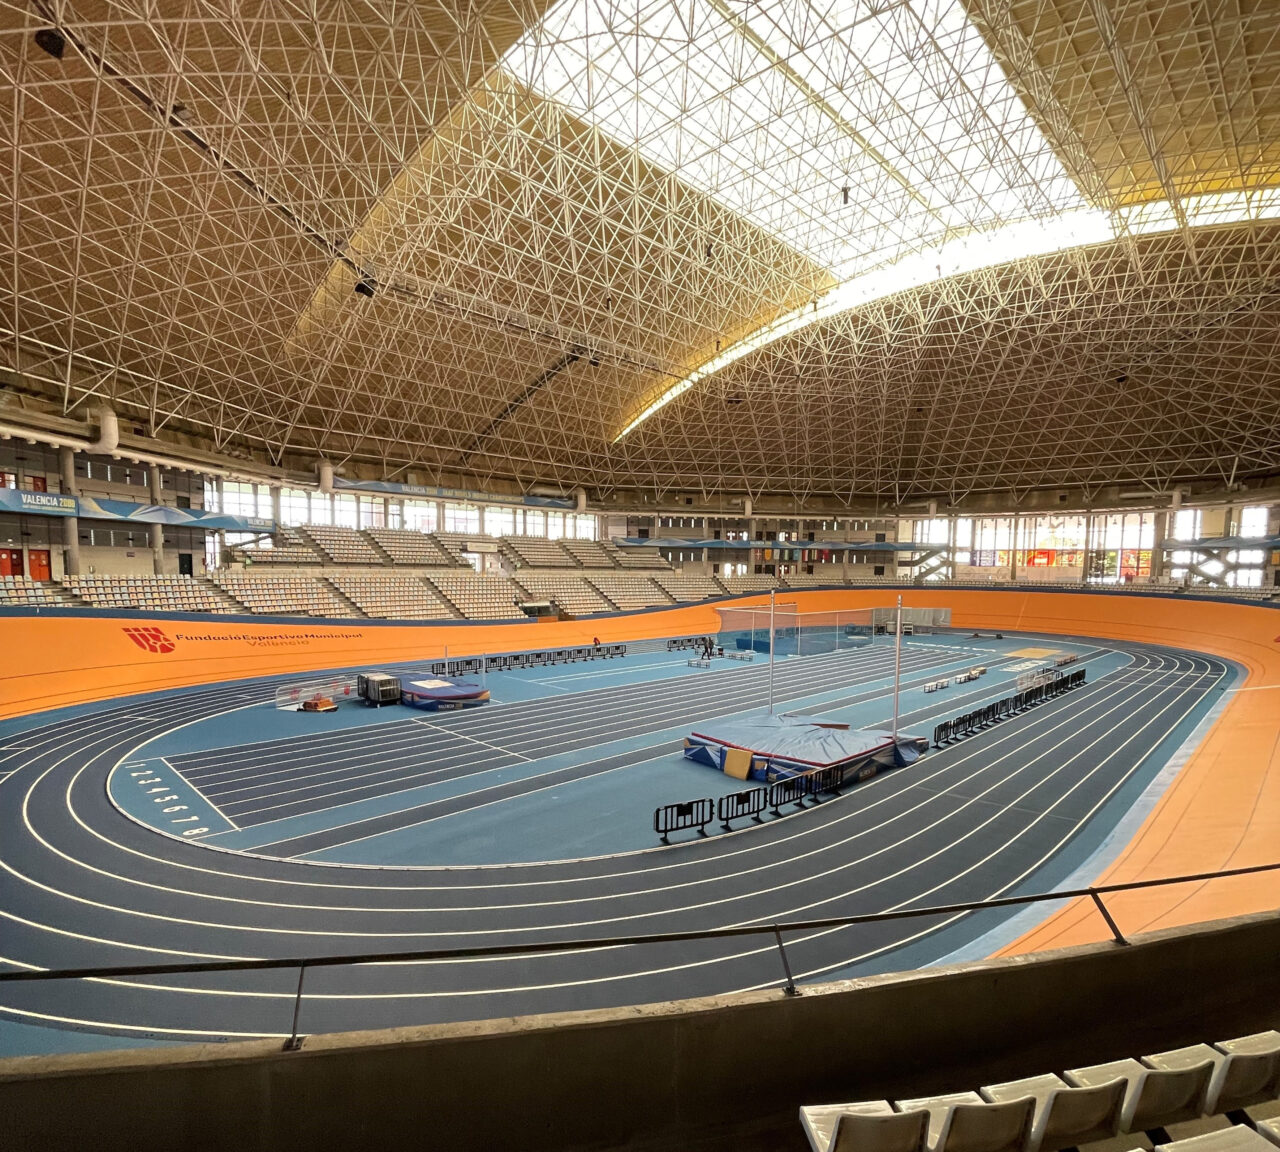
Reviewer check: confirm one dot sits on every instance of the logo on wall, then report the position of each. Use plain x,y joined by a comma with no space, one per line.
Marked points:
150,639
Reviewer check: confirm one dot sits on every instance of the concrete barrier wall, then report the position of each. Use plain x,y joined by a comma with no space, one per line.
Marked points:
725,1073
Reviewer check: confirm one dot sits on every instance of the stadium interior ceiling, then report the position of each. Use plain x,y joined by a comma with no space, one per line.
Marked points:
878,250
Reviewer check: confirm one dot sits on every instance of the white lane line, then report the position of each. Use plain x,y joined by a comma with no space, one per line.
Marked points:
474,740
751,846
721,959
197,791
825,968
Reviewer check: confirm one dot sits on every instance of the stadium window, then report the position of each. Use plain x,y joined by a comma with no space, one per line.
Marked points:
295,507
461,518
500,521
344,512
1246,578
588,528
555,525
535,523
419,517
373,513
1186,524
1253,520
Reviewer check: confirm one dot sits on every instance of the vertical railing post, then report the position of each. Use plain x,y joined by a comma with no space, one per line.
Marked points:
295,1041
1106,915
790,989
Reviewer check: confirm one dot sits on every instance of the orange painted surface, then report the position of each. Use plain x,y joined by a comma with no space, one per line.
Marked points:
1222,811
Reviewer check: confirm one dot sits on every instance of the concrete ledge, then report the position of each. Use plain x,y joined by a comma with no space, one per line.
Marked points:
723,1072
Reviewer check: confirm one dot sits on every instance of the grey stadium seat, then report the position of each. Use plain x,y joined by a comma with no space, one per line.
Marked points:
1236,1138
865,1126
1270,1129
1245,1071
964,1122
868,1126
1065,1116
1153,1097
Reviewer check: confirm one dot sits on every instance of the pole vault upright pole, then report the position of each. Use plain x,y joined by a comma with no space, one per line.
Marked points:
771,631
897,667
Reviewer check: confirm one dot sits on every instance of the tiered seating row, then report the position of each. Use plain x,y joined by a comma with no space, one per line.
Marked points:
408,547
393,597
159,593
688,587
1082,1105
634,558
588,553
479,597
537,552
756,582
342,545
282,595
570,592
21,590
628,591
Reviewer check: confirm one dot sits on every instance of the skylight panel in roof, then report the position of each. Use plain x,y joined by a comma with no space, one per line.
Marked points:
772,107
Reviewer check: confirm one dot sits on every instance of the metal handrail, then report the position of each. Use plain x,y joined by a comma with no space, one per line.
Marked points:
1094,892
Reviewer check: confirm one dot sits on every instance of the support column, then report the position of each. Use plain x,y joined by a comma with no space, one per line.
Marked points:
1013,551
1160,532
220,489
70,524
275,506
157,530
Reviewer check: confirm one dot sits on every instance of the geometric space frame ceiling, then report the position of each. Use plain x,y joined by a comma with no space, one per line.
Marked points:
698,245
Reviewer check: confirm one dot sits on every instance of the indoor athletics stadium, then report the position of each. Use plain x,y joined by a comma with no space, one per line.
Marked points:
679,575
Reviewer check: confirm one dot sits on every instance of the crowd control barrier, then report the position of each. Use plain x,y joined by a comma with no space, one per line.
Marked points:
752,802
691,814
951,730
738,804
507,661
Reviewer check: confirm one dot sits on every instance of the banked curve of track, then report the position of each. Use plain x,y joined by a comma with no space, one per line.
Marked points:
80,885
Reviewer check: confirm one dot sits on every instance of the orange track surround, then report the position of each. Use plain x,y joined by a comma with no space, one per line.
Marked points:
1222,810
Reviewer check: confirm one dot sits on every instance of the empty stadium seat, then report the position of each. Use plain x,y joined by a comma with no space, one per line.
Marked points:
1245,1071
342,545
405,546
282,594
628,591
1064,1116
755,582
634,557
868,1126
567,590
479,597
964,1122
588,553
1237,1138
391,597
1270,1129
689,586
537,552
158,593
21,590
1154,1098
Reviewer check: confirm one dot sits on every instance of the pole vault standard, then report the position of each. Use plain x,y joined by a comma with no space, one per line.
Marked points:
771,604
897,666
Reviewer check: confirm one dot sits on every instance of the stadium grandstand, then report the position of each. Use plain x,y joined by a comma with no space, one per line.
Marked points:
661,576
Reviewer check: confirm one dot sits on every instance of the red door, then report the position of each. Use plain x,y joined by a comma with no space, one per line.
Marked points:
10,562
38,484
38,563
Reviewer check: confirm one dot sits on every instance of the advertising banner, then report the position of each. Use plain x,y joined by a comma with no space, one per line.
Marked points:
99,508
